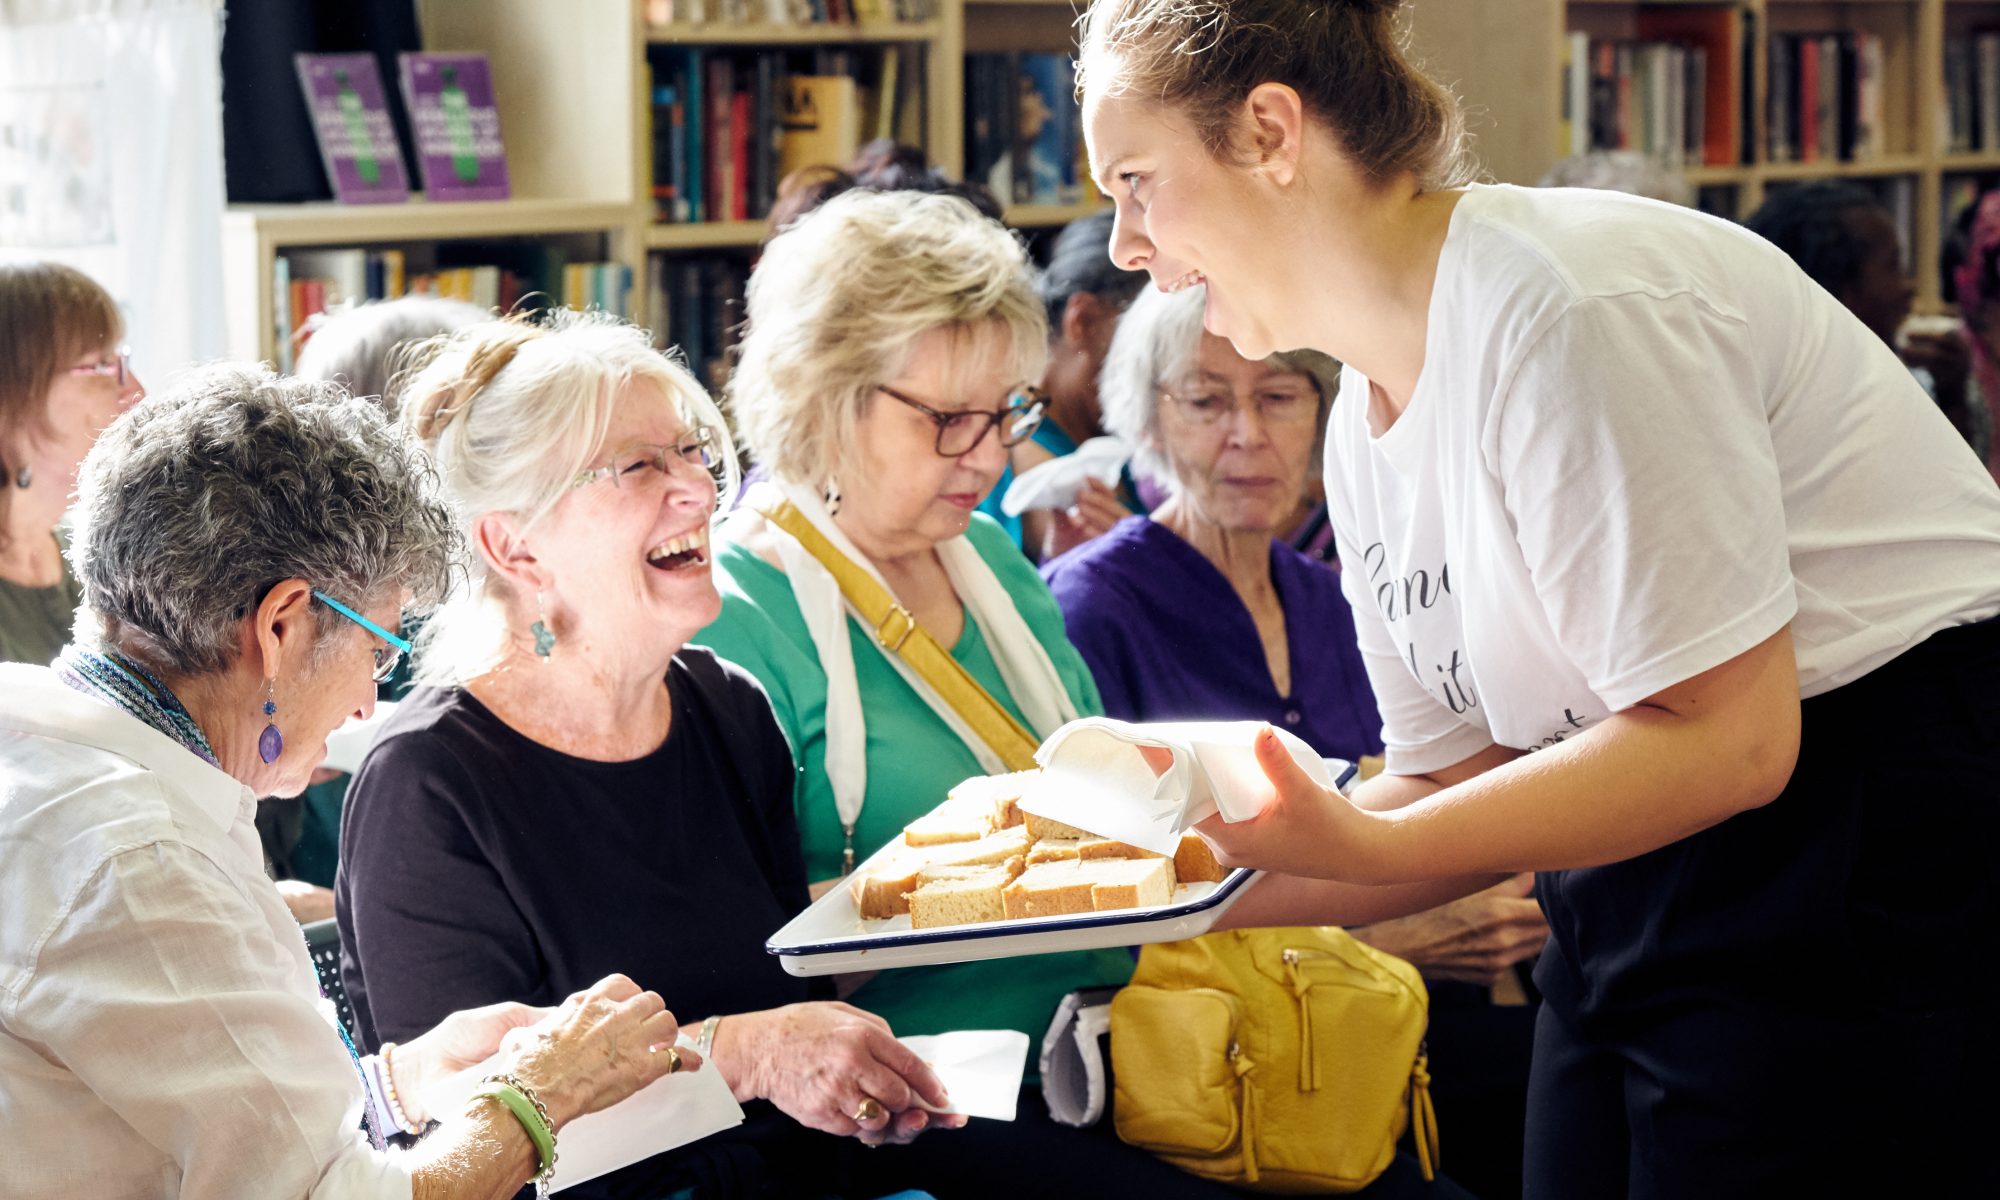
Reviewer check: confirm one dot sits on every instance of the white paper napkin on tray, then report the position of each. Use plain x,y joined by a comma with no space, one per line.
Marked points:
981,1069
1094,777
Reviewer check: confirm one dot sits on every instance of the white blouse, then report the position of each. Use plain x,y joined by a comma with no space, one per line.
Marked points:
161,1030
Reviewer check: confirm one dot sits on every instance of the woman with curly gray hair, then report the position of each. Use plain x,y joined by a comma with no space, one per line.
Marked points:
245,546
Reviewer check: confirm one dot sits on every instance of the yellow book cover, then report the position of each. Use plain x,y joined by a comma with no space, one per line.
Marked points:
822,122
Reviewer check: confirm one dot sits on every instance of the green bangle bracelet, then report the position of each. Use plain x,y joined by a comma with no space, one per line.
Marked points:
527,1108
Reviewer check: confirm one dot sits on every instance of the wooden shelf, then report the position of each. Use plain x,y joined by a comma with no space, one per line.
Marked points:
1035,216
1716,176
706,235
1984,160
419,220
1072,5
716,34
1894,164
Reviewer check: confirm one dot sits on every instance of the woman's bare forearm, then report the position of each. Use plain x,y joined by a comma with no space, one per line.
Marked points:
481,1154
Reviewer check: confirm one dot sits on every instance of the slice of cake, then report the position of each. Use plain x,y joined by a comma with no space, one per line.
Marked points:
1050,889
1054,850
950,898
1041,829
878,890
993,848
1129,882
1194,861
999,794
1097,847
956,820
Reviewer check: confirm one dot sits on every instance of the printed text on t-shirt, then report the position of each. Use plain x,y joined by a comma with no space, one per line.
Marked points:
1417,591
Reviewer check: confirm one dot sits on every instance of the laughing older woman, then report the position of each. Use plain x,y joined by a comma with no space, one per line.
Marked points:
245,546
575,787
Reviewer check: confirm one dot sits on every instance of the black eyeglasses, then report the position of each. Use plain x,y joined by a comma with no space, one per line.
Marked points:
959,432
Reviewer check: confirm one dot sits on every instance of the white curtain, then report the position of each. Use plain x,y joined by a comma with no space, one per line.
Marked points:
111,160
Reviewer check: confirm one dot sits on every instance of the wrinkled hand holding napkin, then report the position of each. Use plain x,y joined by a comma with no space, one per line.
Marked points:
1057,482
981,1069
1095,777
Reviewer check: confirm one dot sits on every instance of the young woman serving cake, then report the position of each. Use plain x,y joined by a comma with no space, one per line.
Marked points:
1649,543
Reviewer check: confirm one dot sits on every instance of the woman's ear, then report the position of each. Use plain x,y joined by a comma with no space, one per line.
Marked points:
1275,120
503,545
281,629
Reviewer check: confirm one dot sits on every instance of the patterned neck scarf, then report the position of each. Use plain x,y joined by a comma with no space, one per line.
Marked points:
124,684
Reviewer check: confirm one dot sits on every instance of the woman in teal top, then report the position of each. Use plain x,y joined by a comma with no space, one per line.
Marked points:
913,759
880,386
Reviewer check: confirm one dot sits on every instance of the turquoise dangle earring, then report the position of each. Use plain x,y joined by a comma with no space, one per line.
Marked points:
545,641
270,743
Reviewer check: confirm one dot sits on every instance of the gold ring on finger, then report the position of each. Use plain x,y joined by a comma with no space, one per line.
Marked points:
870,1108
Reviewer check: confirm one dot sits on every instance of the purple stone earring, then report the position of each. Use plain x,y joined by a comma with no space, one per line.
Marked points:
270,743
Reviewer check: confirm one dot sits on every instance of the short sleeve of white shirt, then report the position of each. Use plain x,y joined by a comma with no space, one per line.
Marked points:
1635,464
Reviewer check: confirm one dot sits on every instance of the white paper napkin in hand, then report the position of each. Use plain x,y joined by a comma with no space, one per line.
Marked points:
1094,777
981,1069
1057,482
671,1111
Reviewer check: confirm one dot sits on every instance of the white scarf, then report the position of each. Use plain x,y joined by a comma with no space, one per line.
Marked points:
1024,665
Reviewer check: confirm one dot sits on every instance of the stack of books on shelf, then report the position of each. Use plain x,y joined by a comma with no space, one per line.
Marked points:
729,126
788,12
1972,93
695,304
1676,94
1825,100
306,283
1023,133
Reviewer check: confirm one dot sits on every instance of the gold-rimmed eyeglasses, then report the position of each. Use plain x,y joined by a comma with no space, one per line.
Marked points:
1284,404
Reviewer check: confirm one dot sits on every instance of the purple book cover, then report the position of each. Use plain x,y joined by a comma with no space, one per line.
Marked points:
457,125
350,114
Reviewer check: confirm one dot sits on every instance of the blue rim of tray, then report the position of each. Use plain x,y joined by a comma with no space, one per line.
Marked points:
1231,883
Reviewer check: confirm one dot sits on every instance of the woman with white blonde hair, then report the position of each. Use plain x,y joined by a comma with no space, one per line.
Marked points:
881,382
573,785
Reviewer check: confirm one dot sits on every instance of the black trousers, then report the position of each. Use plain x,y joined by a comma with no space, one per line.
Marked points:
1798,1001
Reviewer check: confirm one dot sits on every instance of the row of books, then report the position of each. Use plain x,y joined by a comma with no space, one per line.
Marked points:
788,12
1826,98
1675,92
306,283
1972,93
729,126
695,304
1023,133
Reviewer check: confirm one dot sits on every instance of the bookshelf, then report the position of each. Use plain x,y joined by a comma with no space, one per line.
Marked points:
1509,70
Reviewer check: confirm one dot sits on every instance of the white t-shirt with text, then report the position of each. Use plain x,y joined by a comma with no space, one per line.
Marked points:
1642,442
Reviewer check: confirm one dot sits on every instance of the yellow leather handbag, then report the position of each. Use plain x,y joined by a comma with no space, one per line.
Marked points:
1279,1060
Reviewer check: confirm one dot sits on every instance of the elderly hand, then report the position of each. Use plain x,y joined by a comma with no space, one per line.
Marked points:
596,1048
1302,829
428,1069
1473,940
820,1061
1096,510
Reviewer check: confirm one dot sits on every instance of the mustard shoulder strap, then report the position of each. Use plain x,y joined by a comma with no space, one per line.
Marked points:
899,633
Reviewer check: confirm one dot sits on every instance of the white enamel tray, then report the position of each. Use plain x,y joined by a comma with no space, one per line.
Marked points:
830,937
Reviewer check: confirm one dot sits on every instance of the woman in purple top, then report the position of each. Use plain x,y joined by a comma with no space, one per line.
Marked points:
1202,612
